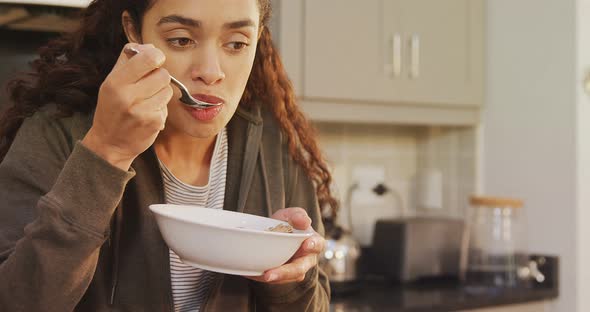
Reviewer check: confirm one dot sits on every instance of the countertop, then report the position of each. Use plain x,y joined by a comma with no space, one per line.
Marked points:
443,294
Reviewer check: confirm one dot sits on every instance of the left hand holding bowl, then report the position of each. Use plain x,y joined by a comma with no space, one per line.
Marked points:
305,258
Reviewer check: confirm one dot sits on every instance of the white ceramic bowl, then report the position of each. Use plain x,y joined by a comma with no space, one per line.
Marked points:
225,241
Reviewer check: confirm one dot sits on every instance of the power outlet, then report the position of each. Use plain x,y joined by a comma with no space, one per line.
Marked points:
368,176
366,207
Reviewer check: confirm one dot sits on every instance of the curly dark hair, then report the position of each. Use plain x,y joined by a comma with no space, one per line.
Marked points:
71,68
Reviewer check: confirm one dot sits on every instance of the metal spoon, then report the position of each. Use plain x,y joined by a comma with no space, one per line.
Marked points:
186,97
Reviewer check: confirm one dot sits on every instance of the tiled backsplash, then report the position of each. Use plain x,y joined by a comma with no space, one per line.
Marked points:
402,154
453,152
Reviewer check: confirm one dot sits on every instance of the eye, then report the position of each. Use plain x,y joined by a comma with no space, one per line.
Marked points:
181,42
237,46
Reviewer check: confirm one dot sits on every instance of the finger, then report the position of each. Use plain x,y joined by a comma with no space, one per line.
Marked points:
300,221
157,102
291,271
164,117
153,83
299,279
153,111
125,56
284,280
313,245
296,216
131,68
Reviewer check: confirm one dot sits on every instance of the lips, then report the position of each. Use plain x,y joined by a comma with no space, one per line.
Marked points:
204,114
208,98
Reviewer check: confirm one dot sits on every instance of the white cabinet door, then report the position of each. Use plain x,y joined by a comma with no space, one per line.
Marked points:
394,51
344,56
443,51
286,26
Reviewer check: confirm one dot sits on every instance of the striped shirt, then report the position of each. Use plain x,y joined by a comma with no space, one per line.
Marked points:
190,285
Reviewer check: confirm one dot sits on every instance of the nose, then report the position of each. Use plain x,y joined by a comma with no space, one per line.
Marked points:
207,67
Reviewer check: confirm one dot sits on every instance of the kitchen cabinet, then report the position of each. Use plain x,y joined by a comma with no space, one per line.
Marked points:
415,61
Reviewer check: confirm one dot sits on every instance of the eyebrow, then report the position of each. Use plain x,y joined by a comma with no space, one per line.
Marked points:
187,21
173,19
239,24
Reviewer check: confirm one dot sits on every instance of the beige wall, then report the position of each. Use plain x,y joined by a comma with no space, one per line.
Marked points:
529,128
583,154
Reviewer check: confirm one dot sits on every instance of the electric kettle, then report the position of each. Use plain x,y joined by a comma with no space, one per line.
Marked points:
340,258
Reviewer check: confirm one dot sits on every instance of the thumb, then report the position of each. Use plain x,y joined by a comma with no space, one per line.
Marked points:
300,221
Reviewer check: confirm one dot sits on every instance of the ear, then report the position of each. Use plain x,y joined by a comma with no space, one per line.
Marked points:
129,28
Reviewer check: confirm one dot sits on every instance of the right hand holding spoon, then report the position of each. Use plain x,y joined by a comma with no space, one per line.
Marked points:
131,108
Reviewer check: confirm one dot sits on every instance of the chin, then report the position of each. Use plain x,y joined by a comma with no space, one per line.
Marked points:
203,131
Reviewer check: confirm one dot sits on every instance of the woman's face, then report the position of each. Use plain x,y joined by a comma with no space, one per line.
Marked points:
210,47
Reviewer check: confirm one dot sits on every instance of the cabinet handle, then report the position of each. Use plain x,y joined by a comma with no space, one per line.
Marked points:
415,57
396,48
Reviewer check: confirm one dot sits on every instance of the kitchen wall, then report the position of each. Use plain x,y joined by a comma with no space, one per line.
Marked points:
535,129
400,156
583,153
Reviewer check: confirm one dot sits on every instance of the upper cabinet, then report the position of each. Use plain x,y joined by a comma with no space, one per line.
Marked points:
413,61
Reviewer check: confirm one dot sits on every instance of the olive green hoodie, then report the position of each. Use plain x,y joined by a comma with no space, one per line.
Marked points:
76,233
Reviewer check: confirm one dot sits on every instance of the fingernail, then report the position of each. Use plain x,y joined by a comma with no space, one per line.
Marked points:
131,51
300,215
272,277
311,245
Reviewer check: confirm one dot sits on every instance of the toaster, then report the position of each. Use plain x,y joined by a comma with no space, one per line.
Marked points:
419,247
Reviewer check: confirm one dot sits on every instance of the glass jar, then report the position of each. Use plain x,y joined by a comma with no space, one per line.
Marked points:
494,247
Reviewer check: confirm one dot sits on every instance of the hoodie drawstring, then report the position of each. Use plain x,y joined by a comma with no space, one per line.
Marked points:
115,252
265,183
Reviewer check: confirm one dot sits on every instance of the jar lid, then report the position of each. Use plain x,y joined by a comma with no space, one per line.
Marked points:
495,201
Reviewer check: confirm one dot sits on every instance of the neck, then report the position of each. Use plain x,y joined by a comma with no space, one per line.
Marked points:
188,158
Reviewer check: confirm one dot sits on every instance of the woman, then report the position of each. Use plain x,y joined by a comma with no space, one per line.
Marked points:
99,135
